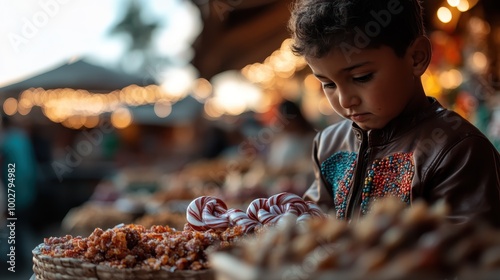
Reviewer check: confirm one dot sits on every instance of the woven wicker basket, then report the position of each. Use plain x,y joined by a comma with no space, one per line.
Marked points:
50,268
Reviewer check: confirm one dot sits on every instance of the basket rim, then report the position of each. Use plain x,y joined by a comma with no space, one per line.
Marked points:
41,260
39,256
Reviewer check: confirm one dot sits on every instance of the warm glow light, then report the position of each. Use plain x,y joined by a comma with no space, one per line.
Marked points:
453,3
258,73
10,106
163,108
91,121
311,83
231,104
202,89
121,118
74,122
285,45
60,104
325,108
280,62
23,110
211,109
24,106
444,14
450,79
25,102
67,123
463,6
479,62
479,26
290,89
178,82
234,94
279,67
265,104
431,84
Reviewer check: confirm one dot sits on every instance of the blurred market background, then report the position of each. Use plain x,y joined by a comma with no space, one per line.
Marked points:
121,111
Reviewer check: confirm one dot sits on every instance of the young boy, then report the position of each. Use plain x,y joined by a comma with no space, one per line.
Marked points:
369,56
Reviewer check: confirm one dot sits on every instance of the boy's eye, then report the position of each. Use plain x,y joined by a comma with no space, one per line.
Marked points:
363,79
329,85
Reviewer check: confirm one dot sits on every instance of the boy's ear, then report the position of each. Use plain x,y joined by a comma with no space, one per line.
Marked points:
421,54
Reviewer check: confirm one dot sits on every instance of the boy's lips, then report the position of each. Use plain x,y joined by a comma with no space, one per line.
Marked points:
359,117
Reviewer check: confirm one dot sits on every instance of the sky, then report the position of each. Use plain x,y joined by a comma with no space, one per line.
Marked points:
39,35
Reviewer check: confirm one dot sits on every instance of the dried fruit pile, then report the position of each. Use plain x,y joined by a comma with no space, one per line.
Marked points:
132,246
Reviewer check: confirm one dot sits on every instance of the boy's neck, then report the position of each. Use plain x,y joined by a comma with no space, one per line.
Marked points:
418,102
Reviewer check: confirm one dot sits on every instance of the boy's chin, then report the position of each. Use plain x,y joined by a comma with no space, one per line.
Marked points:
363,127
368,127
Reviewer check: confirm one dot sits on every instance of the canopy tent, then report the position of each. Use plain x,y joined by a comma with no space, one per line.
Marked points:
79,75
82,75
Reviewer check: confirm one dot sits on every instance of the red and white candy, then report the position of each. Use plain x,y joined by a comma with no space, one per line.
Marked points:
272,209
285,198
314,210
208,212
239,218
255,206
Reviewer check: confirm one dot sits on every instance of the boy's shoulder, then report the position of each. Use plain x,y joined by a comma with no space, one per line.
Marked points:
444,131
452,123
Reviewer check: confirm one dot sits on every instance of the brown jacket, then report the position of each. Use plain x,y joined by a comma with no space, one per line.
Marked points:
434,154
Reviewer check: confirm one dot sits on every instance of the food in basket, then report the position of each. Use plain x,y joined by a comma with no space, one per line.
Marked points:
132,246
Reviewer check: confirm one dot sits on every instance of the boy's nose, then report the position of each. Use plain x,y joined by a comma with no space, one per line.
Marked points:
347,100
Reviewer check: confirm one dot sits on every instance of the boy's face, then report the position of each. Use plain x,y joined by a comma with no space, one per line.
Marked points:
370,87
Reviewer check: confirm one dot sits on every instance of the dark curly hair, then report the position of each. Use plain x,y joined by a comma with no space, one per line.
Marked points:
317,26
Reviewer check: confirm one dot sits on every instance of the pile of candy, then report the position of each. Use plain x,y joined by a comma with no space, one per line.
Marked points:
134,246
208,212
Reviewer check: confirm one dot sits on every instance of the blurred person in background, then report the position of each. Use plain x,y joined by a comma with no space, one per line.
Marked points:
16,148
289,152
294,135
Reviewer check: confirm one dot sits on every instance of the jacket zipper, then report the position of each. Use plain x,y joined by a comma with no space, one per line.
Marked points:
357,187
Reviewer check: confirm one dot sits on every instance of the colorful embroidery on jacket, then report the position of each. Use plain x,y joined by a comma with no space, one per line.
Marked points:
338,170
390,176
